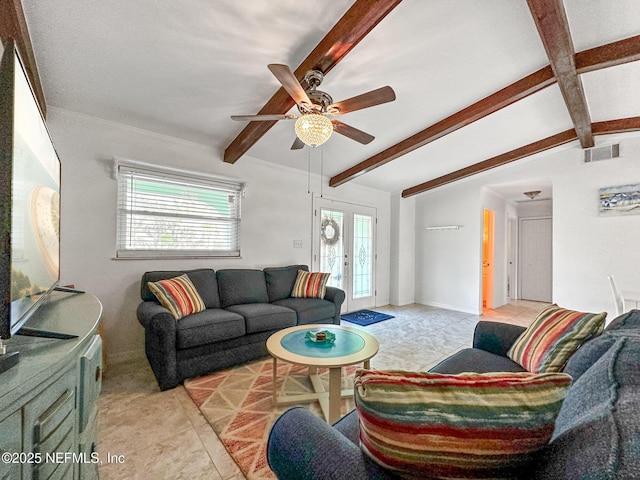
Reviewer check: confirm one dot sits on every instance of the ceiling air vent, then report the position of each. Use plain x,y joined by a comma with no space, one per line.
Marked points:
602,153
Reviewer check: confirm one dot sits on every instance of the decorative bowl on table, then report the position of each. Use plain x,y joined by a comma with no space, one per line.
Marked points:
320,336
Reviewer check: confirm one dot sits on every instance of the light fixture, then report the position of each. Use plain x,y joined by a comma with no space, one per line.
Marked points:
533,194
313,129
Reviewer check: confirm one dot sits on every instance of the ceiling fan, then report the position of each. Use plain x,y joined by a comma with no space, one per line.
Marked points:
313,127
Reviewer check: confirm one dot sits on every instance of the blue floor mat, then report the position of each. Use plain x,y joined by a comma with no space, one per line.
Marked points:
365,317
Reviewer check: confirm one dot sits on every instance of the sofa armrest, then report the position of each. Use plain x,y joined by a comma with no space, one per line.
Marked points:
160,342
301,446
496,337
152,315
336,296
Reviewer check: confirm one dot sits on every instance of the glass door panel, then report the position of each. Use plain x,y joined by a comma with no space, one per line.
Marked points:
332,246
362,256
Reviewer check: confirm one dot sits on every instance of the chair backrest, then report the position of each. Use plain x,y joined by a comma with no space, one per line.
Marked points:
618,300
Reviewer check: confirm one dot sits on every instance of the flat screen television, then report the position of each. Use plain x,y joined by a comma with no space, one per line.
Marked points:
29,199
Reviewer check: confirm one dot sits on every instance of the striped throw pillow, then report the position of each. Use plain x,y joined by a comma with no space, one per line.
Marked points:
178,295
310,284
554,335
471,425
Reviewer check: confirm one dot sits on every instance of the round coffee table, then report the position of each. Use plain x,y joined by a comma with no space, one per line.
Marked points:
351,346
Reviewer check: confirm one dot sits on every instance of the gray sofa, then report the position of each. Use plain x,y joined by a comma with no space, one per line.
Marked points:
243,308
596,436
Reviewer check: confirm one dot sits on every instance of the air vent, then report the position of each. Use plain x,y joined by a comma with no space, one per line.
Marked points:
602,153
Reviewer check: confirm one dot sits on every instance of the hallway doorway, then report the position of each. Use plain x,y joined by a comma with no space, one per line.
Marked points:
488,254
535,254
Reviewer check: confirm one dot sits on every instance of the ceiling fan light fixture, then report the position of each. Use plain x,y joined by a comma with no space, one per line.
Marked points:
313,129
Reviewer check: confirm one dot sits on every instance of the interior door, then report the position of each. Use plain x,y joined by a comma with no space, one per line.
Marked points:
488,242
535,256
344,245
512,235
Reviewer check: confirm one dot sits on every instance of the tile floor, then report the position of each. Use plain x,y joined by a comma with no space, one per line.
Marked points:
162,435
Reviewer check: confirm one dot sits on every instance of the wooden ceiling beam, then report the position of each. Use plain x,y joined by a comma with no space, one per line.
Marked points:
14,25
354,25
553,27
622,125
497,161
516,91
604,56
609,55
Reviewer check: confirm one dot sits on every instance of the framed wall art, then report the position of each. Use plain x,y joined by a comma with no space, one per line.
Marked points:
620,200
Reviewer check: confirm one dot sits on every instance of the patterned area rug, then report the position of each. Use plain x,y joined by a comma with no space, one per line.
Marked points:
238,405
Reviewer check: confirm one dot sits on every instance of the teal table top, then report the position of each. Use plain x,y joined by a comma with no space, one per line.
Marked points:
346,343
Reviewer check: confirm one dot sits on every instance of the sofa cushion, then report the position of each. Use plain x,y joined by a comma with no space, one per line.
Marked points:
240,286
309,310
496,337
260,317
597,432
457,426
626,321
588,354
204,279
553,336
178,295
310,284
349,426
280,281
476,360
209,326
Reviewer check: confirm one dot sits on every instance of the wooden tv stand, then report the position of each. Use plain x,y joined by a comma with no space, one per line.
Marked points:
48,401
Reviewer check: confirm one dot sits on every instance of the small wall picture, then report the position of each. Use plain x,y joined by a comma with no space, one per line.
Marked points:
621,200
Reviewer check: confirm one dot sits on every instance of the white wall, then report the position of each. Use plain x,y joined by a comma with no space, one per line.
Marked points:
535,208
449,262
276,211
586,246
403,241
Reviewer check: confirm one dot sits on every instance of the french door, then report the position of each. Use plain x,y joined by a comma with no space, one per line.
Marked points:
344,245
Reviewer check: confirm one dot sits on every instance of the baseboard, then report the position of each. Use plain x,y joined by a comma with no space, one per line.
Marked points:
113,358
457,308
403,302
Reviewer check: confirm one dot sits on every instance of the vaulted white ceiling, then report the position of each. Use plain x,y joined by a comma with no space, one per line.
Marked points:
182,68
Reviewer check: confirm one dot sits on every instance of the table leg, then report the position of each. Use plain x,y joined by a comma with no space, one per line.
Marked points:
335,394
367,365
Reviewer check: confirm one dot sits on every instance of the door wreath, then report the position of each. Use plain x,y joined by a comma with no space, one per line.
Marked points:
329,231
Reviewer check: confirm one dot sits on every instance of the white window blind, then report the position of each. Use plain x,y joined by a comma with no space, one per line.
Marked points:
164,214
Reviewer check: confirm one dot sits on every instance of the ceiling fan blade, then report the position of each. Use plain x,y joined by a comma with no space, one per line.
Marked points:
262,118
297,144
351,132
290,83
369,99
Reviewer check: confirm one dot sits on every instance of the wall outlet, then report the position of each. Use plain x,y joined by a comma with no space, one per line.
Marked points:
297,244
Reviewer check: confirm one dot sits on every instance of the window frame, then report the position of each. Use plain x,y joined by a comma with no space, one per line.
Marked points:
125,172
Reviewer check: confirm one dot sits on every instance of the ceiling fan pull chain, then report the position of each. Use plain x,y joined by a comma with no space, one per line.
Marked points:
308,171
321,169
